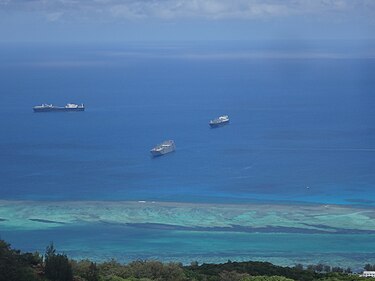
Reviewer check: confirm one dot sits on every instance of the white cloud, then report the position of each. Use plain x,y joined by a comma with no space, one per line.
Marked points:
201,9
189,9
54,16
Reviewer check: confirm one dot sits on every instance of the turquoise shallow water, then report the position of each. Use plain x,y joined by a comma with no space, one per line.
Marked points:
291,179
103,242
283,234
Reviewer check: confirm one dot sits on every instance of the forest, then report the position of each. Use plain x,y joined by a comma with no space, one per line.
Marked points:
54,266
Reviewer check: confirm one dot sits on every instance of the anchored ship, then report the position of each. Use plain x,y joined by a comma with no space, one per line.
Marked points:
50,108
220,121
163,148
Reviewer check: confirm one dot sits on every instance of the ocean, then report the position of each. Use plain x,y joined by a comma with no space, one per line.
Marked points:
296,163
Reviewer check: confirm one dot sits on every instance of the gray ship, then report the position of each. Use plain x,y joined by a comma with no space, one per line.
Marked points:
220,121
53,108
163,148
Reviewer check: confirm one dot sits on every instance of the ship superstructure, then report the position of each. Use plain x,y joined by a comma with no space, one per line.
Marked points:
220,121
163,148
51,108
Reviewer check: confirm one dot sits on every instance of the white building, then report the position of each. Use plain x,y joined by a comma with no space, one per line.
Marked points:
368,274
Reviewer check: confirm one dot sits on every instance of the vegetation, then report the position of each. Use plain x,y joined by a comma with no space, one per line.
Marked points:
17,266
370,267
57,266
53,266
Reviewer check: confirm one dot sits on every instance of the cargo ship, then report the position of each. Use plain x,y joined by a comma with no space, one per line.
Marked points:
163,148
52,108
220,121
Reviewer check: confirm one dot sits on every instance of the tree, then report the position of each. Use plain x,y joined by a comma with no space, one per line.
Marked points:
319,267
92,274
337,269
266,278
327,268
194,264
50,251
86,269
232,276
154,270
15,266
311,267
57,266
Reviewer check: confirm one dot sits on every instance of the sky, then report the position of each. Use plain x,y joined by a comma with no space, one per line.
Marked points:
184,20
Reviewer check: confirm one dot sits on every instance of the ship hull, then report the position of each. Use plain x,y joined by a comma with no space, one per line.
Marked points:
160,153
162,149
58,109
216,125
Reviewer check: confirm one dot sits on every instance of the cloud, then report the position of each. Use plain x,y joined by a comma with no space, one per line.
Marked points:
242,55
54,16
188,9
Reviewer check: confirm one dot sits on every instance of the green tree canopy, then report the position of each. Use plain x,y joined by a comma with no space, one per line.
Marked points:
57,266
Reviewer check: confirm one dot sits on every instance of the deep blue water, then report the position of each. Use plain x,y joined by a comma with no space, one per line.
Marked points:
302,127
295,123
